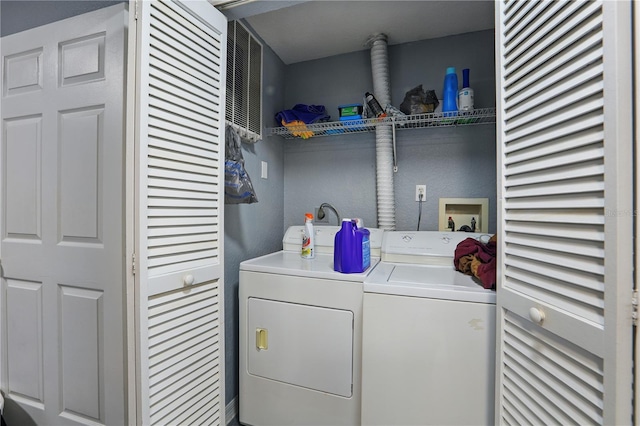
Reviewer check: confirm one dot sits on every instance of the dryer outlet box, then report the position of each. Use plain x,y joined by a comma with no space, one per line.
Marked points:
462,211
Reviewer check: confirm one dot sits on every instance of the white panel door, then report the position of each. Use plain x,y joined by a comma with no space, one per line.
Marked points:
62,148
181,57
565,212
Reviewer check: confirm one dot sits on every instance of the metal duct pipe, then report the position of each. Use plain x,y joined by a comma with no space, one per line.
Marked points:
384,134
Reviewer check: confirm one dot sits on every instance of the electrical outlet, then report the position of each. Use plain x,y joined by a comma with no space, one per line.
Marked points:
421,190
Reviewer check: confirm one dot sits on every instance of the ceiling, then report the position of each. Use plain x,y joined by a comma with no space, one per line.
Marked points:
304,30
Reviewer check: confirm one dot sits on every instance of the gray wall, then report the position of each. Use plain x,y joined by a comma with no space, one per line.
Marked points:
254,229
452,162
20,15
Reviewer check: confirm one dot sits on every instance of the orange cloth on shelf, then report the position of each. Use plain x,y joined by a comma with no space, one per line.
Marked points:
298,128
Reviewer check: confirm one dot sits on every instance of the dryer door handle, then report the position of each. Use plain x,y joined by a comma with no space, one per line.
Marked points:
262,339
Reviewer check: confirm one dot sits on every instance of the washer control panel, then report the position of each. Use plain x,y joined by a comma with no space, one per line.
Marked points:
435,244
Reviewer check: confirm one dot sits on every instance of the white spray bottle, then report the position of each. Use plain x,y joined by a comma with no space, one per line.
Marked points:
465,96
308,250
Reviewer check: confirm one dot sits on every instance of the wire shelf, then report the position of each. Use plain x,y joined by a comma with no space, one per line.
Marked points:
416,121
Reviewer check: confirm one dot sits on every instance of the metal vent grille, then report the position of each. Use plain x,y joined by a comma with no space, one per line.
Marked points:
244,80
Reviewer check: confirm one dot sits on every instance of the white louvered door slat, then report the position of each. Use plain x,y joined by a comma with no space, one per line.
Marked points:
181,147
565,212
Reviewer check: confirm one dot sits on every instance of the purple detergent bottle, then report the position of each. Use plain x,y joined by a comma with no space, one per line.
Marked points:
343,250
351,248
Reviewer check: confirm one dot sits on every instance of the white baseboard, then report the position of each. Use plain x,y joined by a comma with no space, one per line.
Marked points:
231,410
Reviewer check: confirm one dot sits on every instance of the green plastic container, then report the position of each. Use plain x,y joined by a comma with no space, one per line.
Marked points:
350,110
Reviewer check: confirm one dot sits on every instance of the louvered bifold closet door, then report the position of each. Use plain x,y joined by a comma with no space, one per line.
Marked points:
564,213
180,267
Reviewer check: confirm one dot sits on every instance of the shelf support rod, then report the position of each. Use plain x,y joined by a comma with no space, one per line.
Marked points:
393,137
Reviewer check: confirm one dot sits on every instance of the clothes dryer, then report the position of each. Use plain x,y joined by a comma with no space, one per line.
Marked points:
301,335
428,336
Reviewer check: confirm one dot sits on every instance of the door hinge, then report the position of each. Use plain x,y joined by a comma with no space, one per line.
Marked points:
634,307
135,12
133,263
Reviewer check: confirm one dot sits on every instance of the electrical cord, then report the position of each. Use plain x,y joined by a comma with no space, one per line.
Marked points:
321,213
419,210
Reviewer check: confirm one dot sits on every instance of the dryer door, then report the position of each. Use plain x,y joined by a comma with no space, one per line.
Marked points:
302,345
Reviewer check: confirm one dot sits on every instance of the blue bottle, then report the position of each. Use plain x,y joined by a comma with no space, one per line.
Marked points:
450,91
465,96
363,238
351,252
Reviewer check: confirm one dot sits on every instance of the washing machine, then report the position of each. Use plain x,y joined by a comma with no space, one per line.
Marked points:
428,336
301,335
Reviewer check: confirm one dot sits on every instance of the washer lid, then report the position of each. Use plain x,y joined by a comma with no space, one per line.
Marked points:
290,263
429,281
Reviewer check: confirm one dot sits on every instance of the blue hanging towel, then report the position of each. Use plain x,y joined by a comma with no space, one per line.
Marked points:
237,183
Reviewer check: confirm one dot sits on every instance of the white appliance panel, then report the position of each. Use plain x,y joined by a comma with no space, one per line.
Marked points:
428,336
270,402
427,362
307,346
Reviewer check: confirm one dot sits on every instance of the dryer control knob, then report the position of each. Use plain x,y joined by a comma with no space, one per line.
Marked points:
188,279
536,315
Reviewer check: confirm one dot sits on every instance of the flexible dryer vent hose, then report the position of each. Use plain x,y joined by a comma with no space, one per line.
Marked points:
384,134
